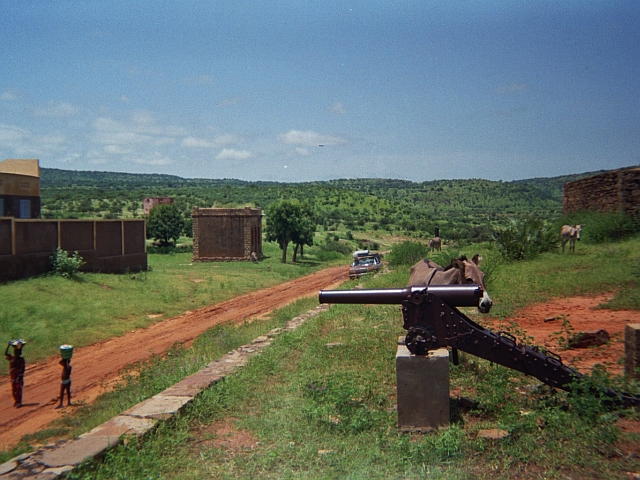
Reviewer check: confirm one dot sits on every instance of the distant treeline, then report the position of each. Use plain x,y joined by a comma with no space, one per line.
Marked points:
461,209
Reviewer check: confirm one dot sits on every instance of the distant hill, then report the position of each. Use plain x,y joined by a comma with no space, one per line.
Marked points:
58,178
469,210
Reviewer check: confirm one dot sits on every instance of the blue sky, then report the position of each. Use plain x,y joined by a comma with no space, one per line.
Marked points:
417,90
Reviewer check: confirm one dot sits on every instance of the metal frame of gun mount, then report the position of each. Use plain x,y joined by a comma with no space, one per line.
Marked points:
432,321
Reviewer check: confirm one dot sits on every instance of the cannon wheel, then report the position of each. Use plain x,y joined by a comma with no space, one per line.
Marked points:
420,339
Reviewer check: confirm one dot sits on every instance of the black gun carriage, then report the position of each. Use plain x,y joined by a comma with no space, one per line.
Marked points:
432,320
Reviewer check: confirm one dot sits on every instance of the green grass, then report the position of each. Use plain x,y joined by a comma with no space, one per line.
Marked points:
307,410
48,311
304,409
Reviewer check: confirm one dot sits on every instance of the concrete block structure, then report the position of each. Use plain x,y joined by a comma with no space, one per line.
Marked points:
616,190
150,202
226,234
422,389
20,188
632,350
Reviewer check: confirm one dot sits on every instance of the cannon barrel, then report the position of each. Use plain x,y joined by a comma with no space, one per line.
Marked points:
453,295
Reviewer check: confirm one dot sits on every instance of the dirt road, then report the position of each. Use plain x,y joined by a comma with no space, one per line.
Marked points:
96,365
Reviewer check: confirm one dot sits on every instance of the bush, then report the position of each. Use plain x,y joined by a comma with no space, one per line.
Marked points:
165,223
159,249
332,245
64,265
603,227
408,253
525,239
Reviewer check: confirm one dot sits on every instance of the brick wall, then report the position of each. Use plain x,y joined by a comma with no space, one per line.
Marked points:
226,234
107,246
605,192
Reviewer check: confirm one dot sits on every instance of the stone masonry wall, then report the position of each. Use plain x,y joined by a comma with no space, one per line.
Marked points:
605,192
226,234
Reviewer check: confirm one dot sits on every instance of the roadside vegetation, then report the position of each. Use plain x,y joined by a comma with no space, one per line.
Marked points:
319,403
51,310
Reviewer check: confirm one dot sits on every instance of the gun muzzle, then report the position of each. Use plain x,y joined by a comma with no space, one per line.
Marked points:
453,295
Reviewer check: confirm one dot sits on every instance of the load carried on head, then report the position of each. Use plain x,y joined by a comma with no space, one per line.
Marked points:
17,344
66,351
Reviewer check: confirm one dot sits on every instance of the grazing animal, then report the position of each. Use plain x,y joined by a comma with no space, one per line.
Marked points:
435,244
254,257
459,271
570,234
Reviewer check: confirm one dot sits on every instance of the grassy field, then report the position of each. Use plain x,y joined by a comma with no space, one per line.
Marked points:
48,311
307,410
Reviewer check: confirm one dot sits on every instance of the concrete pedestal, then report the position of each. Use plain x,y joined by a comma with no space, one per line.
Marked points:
632,350
422,389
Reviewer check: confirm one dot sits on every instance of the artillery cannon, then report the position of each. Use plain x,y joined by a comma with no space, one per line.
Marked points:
432,321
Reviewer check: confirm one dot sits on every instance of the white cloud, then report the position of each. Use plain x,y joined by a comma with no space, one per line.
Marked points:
22,142
57,110
124,98
156,158
12,135
229,153
70,158
9,96
224,139
309,139
192,142
338,109
299,151
141,129
116,150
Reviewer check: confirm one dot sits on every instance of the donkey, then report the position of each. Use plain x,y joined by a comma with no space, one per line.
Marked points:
459,271
435,244
570,234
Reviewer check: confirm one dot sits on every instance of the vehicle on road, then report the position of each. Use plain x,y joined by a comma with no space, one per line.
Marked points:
364,262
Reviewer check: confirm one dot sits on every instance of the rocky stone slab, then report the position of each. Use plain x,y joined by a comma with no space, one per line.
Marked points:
159,406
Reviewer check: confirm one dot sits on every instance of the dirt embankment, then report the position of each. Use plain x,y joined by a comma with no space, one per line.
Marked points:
96,365
544,322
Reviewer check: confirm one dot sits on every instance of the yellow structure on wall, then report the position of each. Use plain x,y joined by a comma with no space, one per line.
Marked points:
20,188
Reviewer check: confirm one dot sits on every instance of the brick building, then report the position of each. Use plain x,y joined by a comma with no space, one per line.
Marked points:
226,234
605,192
20,188
151,202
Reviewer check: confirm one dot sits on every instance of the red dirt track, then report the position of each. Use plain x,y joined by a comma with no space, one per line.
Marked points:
96,365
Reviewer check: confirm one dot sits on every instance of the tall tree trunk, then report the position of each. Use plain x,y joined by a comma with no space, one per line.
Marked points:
302,249
284,251
295,253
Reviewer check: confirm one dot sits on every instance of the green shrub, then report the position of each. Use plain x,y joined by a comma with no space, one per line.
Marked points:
600,227
524,239
333,245
407,253
64,265
169,249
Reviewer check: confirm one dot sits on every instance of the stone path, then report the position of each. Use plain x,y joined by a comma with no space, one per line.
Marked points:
57,460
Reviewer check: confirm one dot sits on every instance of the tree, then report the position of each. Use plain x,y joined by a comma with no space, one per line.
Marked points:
289,221
305,232
165,223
